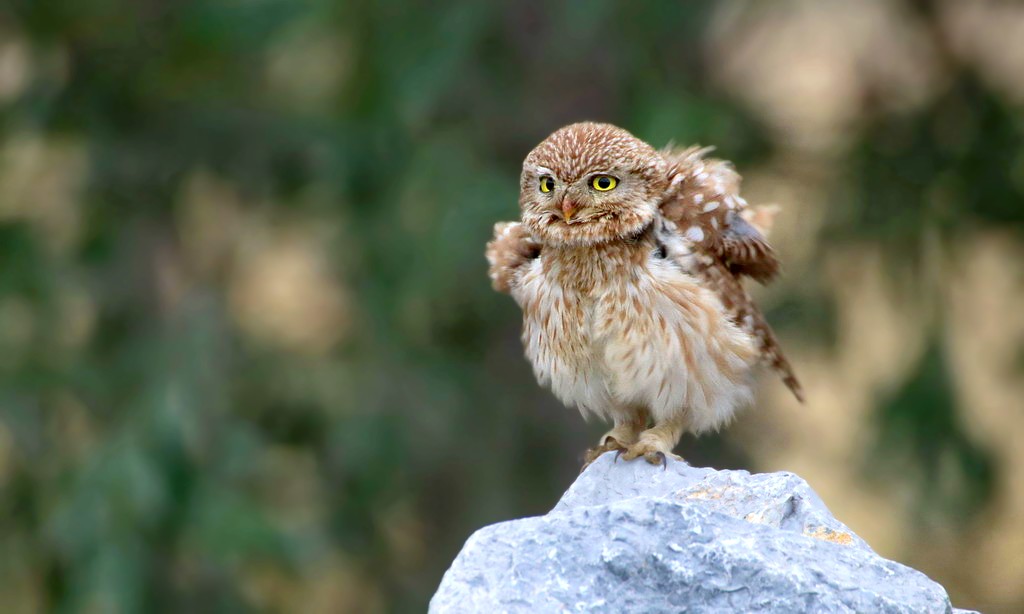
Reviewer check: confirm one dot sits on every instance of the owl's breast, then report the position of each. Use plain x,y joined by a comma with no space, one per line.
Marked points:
562,338
652,336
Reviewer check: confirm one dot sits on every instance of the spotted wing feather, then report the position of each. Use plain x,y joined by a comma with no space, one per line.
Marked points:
703,205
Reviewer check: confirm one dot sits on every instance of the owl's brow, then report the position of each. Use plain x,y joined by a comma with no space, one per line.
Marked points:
543,170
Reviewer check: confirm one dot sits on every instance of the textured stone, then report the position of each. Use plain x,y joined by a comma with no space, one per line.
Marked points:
630,537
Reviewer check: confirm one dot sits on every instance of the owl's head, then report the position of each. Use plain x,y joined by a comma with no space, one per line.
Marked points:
590,183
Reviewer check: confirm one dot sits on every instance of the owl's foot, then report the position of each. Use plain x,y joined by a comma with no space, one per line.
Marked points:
608,444
654,449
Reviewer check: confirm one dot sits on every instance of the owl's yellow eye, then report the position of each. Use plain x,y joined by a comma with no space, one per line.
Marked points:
547,184
604,183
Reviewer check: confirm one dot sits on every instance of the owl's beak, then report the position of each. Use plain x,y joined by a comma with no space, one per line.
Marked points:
568,209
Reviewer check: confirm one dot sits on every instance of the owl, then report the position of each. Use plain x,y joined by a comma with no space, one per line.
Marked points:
628,265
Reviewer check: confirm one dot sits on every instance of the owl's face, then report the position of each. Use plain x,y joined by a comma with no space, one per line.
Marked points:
590,183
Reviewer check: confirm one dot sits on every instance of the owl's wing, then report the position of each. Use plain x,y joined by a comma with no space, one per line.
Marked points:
745,312
745,250
510,249
704,203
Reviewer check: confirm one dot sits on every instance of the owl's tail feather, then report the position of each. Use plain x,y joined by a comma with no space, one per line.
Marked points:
777,360
789,379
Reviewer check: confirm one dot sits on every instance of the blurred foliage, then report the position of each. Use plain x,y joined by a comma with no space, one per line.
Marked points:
920,429
249,358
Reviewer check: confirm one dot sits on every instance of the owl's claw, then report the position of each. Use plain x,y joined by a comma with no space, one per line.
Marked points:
659,458
609,444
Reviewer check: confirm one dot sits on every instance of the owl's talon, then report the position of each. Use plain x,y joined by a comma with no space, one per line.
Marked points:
607,445
618,453
657,457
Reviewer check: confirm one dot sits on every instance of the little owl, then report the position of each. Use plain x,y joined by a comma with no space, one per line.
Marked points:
628,266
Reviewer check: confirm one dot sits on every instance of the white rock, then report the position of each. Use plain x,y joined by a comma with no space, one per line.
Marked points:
630,537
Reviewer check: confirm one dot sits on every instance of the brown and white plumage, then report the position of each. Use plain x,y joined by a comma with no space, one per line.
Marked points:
704,204
627,266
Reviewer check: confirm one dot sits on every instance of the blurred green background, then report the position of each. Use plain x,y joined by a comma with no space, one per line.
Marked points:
249,355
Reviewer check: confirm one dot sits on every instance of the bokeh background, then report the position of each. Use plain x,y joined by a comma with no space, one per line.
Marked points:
249,355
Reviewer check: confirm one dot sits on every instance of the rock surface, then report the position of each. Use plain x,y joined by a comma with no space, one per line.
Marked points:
630,537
